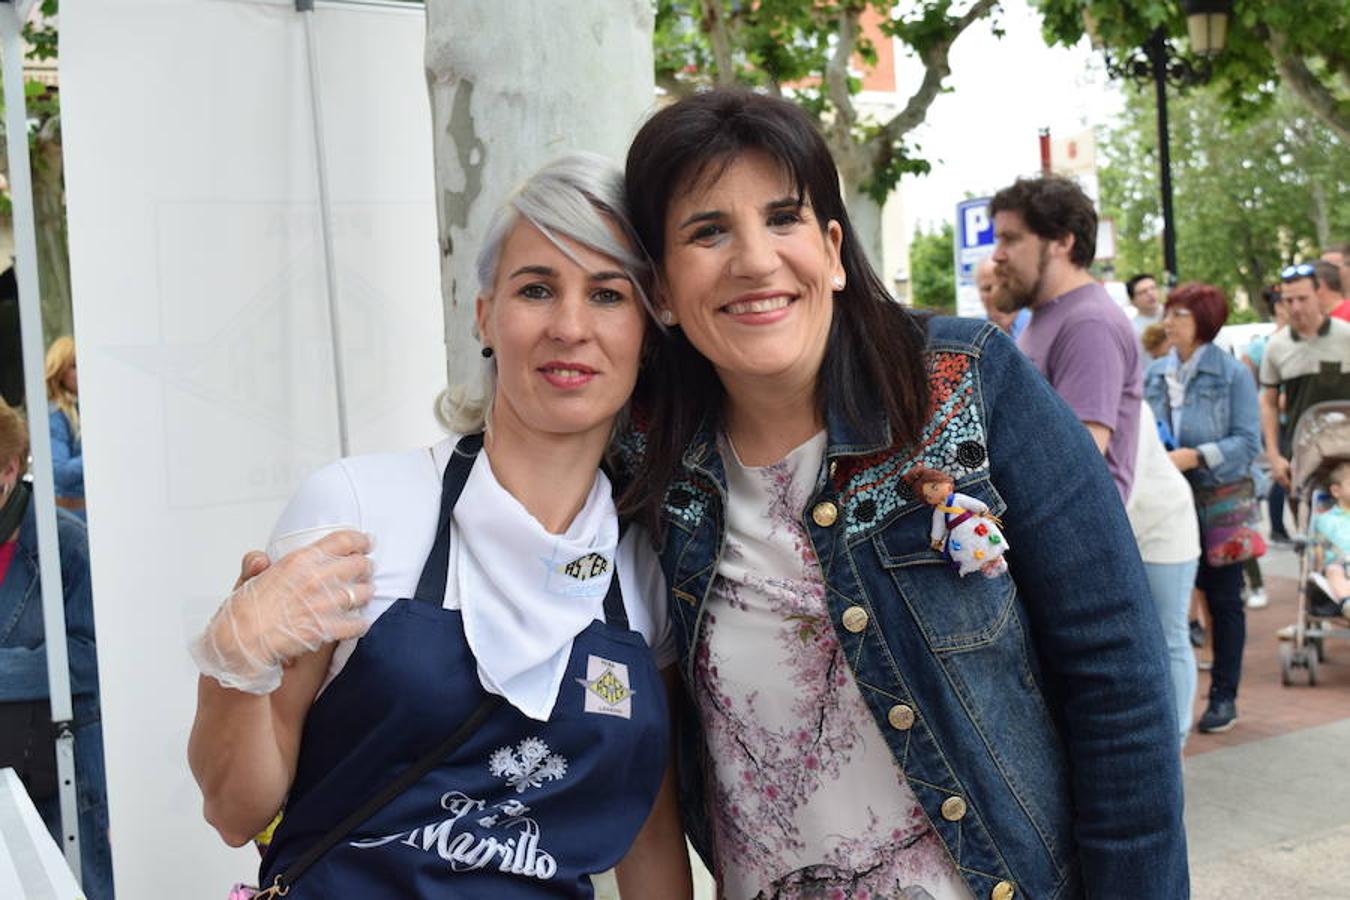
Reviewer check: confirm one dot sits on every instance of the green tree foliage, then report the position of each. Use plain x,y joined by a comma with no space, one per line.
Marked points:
808,50
1304,44
49,193
1247,199
932,269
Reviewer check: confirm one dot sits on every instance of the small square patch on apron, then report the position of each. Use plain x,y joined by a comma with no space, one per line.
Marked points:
607,688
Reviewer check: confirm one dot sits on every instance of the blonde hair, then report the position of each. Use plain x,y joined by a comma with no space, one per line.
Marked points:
60,359
1154,339
13,435
578,196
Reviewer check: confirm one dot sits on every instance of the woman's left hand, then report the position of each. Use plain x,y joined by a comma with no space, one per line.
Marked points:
1185,458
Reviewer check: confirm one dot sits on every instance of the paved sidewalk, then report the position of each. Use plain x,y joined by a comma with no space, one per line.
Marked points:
1270,820
1268,803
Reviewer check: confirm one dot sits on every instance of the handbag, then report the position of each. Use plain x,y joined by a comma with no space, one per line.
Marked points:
1230,522
281,885
28,745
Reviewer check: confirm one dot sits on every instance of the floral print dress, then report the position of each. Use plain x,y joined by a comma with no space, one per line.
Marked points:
808,801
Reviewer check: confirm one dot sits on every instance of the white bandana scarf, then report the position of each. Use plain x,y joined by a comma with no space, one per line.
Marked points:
524,594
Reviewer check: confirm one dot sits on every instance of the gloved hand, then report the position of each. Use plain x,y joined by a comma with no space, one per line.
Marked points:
309,597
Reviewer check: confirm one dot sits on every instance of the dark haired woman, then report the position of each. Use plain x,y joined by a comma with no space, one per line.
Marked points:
864,722
1208,399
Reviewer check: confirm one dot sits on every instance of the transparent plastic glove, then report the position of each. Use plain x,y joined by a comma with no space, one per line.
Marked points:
309,597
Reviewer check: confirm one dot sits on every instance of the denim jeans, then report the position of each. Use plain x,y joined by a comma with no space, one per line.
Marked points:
1228,626
1170,584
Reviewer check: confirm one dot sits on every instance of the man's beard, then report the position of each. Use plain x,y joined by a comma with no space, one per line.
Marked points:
1019,297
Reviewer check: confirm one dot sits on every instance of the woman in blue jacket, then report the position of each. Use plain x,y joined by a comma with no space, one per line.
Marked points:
63,414
863,720
1208,400
23,656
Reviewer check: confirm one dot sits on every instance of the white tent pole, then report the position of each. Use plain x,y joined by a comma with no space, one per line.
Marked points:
44,493
326,223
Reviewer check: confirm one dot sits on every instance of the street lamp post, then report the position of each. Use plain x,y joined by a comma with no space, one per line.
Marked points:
1158,62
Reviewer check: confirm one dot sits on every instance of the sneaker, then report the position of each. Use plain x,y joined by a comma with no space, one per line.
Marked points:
1219,716
1257,600
1197,633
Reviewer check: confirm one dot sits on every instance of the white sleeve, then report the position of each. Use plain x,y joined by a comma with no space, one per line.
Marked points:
324,500
648,607
967,502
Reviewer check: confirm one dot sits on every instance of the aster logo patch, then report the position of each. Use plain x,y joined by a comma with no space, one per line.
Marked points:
607,688
584,568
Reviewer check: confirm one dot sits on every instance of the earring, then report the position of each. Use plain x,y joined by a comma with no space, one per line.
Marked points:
667,317
837,282
487,352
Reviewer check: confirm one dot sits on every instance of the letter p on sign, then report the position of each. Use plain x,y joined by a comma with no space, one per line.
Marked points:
977,222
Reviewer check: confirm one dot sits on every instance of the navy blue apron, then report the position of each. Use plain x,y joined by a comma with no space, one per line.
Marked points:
523,809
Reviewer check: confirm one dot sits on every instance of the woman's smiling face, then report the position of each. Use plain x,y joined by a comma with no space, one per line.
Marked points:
749,273
567,333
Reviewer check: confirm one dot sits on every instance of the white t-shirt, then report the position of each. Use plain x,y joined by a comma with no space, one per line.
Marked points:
1161,507
809,800
395,498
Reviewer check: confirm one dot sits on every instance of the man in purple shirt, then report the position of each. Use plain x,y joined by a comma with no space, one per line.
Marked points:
1046,233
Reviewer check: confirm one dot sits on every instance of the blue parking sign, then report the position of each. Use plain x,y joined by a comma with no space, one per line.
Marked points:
974,236
974,241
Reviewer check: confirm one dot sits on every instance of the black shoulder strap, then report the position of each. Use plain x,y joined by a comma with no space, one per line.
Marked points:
281,885
615,614
431,586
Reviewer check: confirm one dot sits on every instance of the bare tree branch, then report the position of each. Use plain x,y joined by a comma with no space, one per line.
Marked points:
714,23
937,67
1310,89
836,76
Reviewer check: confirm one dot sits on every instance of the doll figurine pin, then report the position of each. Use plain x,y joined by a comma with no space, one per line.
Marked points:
963,528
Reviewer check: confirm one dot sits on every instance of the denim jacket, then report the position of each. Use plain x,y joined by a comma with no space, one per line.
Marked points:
23,654
1219,417
1030,712
23,676
67,455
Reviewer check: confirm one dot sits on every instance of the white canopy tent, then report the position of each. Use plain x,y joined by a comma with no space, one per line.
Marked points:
254,175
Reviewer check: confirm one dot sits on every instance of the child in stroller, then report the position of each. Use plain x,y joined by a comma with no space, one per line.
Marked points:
1320,463
1331,538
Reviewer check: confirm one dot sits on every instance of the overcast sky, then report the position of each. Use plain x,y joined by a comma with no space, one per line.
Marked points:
982,135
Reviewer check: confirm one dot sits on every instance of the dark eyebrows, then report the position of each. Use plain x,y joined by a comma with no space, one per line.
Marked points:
712,215
787,203
550,272
543,271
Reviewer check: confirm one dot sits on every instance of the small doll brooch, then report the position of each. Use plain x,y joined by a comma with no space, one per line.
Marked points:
963,528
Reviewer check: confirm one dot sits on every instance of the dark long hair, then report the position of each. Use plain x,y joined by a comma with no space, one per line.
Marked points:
873,373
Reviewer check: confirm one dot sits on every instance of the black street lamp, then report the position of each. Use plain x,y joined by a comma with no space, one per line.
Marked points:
1157,61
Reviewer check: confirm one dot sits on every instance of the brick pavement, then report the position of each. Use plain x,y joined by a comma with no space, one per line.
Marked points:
1265,707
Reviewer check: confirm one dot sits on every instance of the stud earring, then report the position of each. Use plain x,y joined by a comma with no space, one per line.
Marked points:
837,282
667,317
487,352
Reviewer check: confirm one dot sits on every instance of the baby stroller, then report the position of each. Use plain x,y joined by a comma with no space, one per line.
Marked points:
1321,441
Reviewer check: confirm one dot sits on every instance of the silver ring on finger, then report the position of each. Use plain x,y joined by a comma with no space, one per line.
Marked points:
351,598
